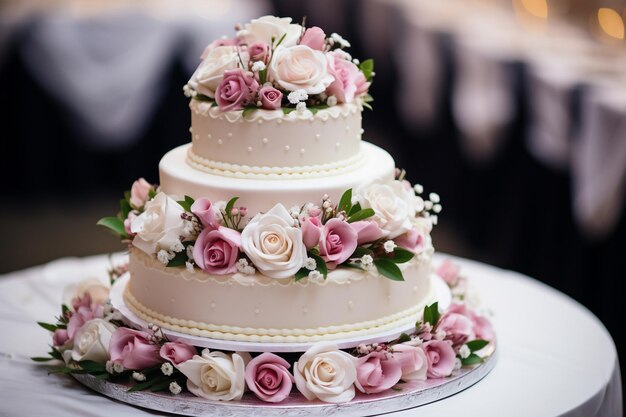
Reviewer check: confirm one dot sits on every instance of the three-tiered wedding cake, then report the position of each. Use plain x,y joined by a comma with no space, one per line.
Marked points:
277,123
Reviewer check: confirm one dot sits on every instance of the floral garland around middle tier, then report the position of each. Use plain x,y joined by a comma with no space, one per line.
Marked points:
375,228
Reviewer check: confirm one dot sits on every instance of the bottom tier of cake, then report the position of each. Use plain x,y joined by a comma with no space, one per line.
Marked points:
254,308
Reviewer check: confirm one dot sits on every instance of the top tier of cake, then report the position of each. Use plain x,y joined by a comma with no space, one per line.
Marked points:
272,143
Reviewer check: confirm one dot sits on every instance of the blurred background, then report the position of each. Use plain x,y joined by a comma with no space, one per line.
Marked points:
514,111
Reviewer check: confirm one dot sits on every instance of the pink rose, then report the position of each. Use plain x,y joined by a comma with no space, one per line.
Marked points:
133,349
482,325
311,231
412,240
215,44
60,337
258,51
127,223
441,358
459,328
449,271
366,231
205,211
216,251
337,242
268,377
377,372
349,80
236,90
271,98
84,310
412,360
177,352
139,193
313,38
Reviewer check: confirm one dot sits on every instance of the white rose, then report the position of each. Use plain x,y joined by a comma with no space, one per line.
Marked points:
273,244
159,226
210,72
216,375
393,204
326,373
91,342
266,27
300,68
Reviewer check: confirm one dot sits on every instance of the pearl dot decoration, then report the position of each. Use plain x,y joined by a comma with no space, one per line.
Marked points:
230,134
305,310
287,147
279,121
260,121
196,136
257,311
212,305
249,148
317,136
337,144
220,141
190,129
347,128
350,305
209,136
302,151
265,141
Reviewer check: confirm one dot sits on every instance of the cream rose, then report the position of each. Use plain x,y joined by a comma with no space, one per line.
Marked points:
393,205
216,375
97,290
300,68
159,226
210,72
265,28
326,373
274,244
91,342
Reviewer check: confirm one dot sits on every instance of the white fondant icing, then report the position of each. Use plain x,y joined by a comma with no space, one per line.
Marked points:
178,178
279,312
317,133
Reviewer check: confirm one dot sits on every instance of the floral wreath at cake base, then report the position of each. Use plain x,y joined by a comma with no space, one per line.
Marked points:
91,337
375,227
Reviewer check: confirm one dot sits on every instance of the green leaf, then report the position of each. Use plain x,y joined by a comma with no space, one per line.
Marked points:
282,38
403,338
202,97
367,68
179,259
55,354
354,209
263,76
431,314
247,111
230,205
92,366
367,106
125,208
142,386
186,203
477,344
64,310
367,98
321,264
472,359
301,274
360,251
161,386
361,214
401,256
104,375
315,109
352,265
287,110
114,224
388,269
47,326
151,193
345,203
41,359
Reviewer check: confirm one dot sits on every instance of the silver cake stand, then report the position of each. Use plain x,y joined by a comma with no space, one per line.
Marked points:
403,396
440,290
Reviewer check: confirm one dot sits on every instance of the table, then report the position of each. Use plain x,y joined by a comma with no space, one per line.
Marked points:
554,357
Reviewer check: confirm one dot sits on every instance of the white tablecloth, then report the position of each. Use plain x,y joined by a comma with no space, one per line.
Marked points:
554,357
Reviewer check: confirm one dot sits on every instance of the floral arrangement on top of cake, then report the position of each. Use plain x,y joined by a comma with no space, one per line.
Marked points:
91,337
274,64
376,227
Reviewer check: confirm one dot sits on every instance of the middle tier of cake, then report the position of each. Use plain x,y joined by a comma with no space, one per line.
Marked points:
179,177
